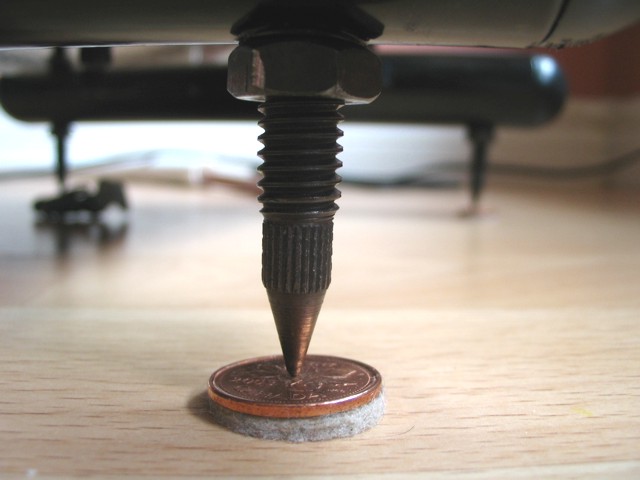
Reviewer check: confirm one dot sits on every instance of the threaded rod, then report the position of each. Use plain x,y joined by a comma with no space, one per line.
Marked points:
299,192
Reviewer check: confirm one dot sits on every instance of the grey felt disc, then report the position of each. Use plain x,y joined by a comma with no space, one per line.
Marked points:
311,429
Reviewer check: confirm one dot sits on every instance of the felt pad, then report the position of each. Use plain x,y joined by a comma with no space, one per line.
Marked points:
312,429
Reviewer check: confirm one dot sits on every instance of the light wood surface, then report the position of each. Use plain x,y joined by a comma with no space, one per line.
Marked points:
509,344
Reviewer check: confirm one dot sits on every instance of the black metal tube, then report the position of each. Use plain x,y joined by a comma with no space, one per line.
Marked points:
167,94
497,89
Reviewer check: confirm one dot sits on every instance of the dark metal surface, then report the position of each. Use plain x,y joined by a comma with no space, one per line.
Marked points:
498,88
154,94
326,385
508,23
80,201
300,148
60,131
481,136
503,88
304,67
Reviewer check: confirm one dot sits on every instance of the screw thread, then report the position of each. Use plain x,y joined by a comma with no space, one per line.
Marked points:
299,192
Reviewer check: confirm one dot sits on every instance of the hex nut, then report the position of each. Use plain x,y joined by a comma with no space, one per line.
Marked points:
305,68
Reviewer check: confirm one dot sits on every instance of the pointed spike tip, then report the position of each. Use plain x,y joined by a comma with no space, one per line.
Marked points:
295,316
294,365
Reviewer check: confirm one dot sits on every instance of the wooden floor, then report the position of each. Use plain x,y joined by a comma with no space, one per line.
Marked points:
509,344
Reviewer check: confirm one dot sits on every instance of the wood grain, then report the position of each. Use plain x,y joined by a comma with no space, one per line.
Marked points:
121,392
509,345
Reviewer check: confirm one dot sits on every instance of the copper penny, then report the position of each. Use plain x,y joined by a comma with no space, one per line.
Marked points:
262,387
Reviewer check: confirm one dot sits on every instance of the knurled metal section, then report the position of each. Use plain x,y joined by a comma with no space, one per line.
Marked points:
296,258
299,192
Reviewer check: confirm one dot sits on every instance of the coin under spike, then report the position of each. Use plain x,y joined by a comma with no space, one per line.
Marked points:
331,397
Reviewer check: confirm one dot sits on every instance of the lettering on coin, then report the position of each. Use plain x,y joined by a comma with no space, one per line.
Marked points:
263,387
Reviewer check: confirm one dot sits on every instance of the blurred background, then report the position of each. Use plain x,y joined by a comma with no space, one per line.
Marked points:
599,123
191,236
